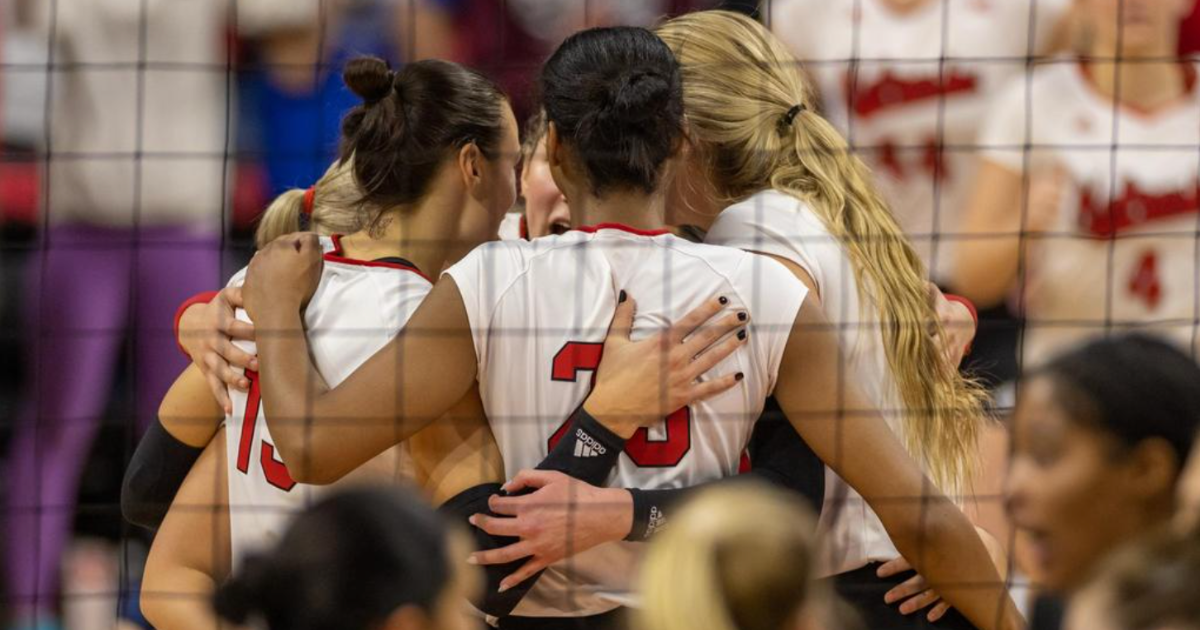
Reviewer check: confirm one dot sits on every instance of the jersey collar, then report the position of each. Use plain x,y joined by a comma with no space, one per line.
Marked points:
592,229
337,255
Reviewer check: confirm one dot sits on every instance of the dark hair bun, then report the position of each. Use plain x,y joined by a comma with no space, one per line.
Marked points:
410,121
615,96
636,97
370,78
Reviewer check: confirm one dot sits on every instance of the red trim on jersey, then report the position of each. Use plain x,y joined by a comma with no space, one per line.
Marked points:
338,256
592,229
199,298
523,229
1133,208
1189,86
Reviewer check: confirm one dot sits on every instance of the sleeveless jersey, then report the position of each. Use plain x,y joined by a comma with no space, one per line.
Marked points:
357,308
539,312
778,224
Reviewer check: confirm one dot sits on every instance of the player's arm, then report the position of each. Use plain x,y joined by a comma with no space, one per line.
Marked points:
637,383
322,432
188,417
1003,211
191,552
986,265
849,435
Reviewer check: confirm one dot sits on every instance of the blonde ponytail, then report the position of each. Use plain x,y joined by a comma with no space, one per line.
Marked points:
337,208
734,558
740,85
281,217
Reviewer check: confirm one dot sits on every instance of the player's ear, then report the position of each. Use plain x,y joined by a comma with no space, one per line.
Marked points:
553,146
407,617
556,155
470,165
1153,468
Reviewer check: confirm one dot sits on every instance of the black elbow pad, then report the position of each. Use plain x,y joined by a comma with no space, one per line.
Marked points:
157,470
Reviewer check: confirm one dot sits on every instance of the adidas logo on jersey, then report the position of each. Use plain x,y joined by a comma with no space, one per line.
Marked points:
587,446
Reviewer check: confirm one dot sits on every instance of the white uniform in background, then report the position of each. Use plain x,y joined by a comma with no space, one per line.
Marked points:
899,102
778,224
357,309
539,311
144,145
1122,251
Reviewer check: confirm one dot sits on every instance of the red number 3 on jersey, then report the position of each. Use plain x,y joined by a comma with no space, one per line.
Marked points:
576,357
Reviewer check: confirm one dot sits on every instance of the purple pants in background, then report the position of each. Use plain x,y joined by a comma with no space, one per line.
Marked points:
92,295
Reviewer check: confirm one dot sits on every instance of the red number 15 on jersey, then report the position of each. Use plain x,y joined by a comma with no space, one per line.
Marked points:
579,356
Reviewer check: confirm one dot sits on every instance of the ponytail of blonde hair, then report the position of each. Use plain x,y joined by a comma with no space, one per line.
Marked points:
337,208
739,85
738,557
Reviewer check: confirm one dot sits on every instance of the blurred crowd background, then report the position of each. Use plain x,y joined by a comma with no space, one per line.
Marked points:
164,129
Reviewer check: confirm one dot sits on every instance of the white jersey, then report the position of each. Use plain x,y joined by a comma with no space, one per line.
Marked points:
512,227
1122,251
539,312
909,91
358,307
778,224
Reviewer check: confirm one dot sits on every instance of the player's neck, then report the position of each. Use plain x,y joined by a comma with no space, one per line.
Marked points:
1144,85
406,235
635,209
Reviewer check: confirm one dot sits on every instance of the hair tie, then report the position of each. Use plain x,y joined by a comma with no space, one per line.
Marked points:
791,114
309,196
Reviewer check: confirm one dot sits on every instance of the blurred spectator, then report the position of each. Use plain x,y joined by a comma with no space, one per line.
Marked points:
509,40
22,116
137,136
908,82
1086,198
292,81
1101,435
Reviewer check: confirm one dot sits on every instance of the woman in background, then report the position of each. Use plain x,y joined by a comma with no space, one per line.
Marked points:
907,81
1100,437
1093,225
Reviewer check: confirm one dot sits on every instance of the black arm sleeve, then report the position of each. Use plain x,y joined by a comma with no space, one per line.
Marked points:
778,455
587,451
155,473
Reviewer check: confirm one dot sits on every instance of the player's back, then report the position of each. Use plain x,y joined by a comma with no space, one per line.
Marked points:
540,312
357,308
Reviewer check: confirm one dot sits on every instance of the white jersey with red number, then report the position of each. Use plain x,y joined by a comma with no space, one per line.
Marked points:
539,312
775,223
1122,250
358,307
909,90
